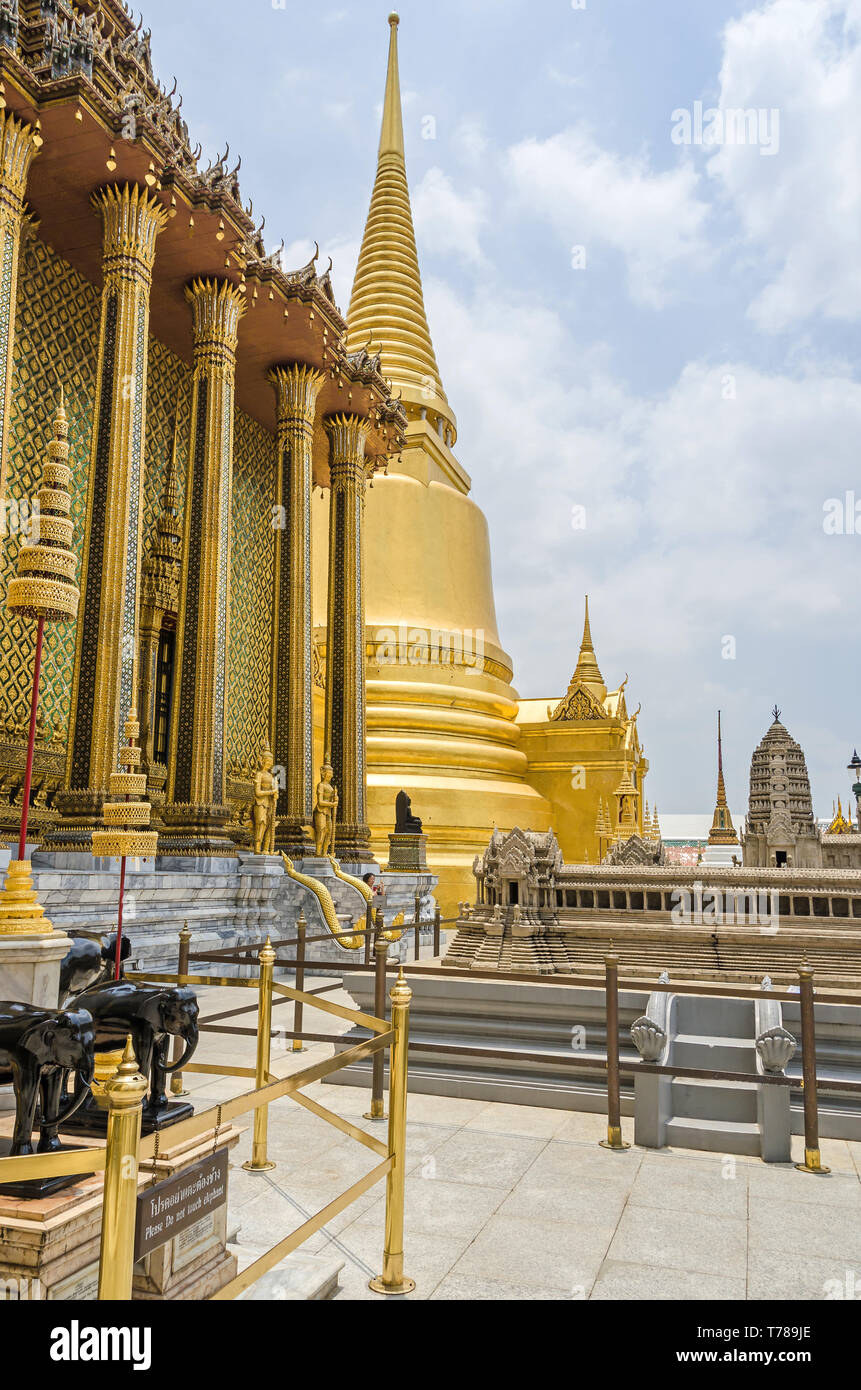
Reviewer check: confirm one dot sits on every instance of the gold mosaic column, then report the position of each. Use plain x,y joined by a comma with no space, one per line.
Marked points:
197,786
103,693
297,388
345,676
19,143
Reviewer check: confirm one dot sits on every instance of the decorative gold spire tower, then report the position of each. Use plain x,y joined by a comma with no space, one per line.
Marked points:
723,846
387,309
723,830
441,711
588,672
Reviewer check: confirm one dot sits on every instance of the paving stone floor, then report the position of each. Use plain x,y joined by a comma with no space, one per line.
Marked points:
516,1202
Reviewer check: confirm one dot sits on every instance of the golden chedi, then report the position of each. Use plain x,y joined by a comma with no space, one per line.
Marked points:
44,589
441,711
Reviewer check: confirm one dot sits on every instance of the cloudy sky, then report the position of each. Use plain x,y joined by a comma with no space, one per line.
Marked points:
646,318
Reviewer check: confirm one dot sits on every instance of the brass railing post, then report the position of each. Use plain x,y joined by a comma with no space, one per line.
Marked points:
259,1162
298,1008
381,951
176,1083
437,942
125,1094
812,1159
392,1279
369,932
614,1110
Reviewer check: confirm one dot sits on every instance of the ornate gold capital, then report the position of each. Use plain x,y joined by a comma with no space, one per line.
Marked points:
19,144
348,435
216,307
132,219
296,390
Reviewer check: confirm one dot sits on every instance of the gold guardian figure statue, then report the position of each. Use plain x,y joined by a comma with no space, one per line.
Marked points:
265,802
325,813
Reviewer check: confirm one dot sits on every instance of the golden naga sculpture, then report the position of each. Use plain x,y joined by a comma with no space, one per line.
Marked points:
325,813
324,898
263,810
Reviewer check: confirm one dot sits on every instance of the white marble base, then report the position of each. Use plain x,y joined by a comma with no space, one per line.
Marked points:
30,968
727,856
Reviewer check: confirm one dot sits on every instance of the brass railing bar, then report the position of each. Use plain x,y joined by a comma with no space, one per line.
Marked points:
374,1025
222,981
250,1100
298,1237
638,986
57,1165
600,1063
345,1126
248,1008
210,1069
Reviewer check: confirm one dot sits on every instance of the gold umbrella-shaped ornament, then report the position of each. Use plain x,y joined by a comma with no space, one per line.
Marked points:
44,589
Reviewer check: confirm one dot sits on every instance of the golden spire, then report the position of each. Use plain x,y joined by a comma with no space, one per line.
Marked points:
387,310
723,830
588,672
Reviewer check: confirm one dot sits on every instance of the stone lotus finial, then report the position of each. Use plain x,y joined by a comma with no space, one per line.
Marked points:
664,977
766,983
649,1038
776,1049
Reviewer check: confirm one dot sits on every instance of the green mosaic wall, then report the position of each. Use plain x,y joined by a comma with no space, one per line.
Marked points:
253,548
56,340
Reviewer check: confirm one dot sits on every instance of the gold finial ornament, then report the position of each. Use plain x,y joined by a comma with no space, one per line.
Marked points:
45,589
723,830
126,819
588,671
44,586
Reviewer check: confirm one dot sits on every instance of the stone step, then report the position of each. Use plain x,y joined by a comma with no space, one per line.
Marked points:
715,1136
713,1053
714,1100
300,1278
714,1016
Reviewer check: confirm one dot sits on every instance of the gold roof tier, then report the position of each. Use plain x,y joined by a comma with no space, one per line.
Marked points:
387,309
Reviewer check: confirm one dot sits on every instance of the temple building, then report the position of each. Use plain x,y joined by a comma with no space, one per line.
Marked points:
208,389
278,553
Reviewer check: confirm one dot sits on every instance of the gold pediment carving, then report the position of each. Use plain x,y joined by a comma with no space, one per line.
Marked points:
578,704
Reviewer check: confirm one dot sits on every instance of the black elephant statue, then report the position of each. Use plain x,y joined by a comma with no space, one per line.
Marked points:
88,961
152,1014
39,1048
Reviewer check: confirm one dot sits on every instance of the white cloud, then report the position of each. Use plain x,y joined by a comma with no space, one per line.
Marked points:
704,519
594,198
448,222
801,209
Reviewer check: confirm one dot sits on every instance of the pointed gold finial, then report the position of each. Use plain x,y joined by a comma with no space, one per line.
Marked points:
723,830
387,302
392,134
588,672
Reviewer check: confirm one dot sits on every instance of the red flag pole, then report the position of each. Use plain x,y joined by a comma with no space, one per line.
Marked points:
31,743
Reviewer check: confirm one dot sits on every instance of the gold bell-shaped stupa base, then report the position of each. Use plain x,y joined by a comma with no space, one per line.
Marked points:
21,913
